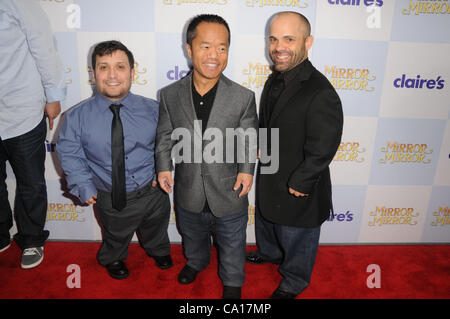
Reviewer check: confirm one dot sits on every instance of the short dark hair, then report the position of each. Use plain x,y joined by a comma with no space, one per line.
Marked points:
108,47
211,18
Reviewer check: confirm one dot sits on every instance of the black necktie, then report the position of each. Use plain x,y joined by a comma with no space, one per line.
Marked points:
119,196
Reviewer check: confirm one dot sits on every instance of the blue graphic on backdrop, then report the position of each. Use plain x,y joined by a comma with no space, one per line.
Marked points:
344,226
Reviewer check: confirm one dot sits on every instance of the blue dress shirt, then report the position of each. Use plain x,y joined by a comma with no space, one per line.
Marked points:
31,71
84,144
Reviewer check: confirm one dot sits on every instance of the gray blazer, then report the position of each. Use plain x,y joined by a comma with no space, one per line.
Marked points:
198,177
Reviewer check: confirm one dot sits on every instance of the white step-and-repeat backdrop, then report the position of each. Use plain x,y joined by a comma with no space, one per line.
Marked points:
388,60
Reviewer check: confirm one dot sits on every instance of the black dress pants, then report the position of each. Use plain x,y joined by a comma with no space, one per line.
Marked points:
147,213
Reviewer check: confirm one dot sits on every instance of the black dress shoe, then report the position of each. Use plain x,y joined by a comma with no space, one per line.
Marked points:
118,270
255,258
280,294
231,292
163,262
187,275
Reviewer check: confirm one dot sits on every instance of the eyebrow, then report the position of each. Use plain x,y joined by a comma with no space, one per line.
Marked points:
284,36
206,42
118,62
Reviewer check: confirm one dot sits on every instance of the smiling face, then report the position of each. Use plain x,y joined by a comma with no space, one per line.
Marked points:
289,44
209,51
113,75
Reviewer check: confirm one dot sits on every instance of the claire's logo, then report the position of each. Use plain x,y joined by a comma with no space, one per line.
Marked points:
367,3
419,83
176,73
341,217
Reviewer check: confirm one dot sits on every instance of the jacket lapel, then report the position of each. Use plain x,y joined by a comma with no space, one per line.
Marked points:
220,109
291,89
263,111
186,101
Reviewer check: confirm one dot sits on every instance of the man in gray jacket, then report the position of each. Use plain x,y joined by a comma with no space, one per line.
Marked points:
211,179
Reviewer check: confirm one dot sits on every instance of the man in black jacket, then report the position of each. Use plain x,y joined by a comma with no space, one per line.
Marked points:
293,202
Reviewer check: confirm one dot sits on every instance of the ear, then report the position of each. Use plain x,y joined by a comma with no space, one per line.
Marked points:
133,72
309,42
93,76
189,50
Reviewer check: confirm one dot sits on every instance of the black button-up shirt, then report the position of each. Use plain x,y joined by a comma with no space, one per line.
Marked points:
203,105
279,83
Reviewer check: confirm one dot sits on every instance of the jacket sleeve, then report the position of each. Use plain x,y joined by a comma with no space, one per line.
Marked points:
324,125
249,137
164,143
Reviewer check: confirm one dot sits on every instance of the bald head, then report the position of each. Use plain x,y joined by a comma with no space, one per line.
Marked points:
290,39
294,17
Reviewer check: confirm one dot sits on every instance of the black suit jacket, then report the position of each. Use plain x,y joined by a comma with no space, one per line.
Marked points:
309,117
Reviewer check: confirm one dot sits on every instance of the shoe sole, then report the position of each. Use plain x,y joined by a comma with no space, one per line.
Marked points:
118,277
5,248
37,263
164,266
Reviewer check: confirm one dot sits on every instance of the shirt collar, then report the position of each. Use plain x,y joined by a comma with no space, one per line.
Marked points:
104,102
288,76
210,92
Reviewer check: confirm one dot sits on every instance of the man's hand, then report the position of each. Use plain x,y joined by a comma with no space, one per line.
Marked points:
165,181
246,180
52,110
92,200
296,194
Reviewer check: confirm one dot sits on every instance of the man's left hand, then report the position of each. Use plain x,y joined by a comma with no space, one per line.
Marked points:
246,180
295,193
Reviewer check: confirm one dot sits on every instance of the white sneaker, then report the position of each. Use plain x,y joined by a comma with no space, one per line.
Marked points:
32,257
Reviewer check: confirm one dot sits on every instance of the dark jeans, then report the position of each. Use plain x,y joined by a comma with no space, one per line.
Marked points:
147,213
26,154
295,247
230,233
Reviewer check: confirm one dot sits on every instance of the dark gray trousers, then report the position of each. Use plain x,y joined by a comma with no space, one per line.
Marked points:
147,213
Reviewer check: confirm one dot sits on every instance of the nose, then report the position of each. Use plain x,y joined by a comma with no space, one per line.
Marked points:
212,53
279,46
112,73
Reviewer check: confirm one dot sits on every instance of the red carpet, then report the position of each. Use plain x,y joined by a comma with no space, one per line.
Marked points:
407,272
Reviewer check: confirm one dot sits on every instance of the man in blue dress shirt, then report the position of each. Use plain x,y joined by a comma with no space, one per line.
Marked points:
106,148
31,84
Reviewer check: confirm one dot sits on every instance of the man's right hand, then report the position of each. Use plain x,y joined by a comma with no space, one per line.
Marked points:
165,181
52,110
92,200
